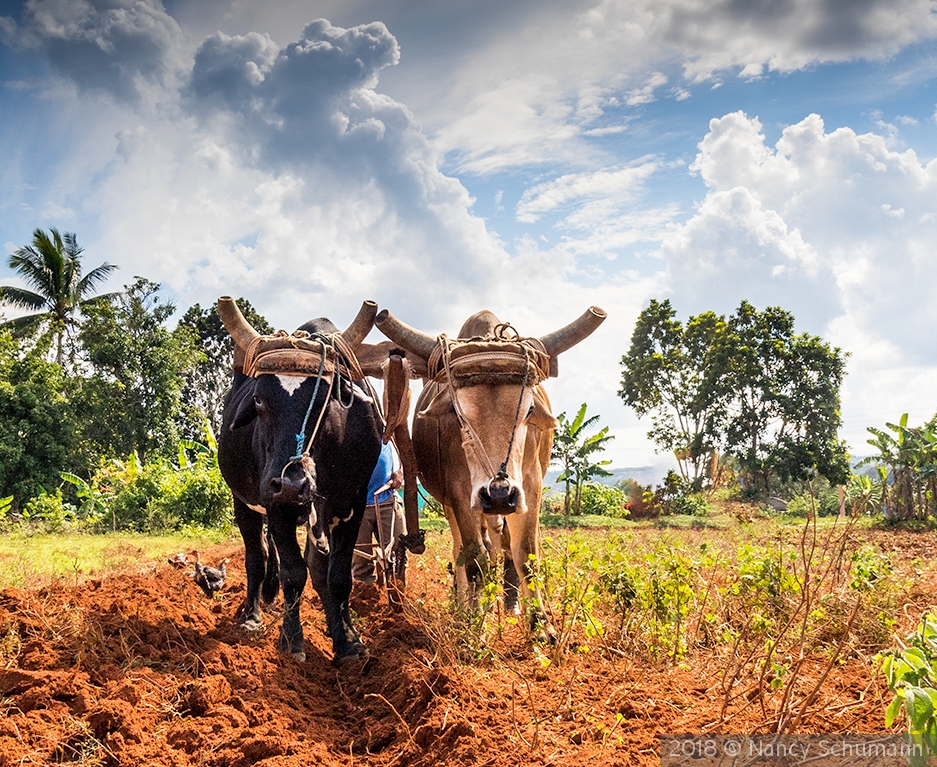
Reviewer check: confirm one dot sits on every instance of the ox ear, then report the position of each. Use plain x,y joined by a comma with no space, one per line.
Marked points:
542,417
246,411
440,406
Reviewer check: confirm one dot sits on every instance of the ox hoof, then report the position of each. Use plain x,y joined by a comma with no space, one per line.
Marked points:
353,653
251,625
294,646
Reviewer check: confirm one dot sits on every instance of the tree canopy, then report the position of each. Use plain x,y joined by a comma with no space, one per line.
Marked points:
676,375
747,385
133,396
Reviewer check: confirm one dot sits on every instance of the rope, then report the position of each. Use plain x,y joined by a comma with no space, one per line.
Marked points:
325,356
469,435
301,437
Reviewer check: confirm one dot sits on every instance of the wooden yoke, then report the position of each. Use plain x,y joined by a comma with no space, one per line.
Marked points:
396,374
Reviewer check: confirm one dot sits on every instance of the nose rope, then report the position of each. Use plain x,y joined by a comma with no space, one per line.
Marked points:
470,436
302,447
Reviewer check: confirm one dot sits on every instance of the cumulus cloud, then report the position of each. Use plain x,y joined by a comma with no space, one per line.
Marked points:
116,47
833,225
559,74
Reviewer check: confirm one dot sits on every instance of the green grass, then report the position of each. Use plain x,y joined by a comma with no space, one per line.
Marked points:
29,559
564,522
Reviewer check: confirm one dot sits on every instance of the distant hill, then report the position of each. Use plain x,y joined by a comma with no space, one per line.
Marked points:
645,475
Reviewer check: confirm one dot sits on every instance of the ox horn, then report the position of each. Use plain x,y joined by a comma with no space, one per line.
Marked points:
404,336
565,338
361,325
238,327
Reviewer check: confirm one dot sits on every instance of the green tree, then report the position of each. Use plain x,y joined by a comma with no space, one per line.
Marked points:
907,463
676,375
37,422
784,413
52,267
573,450
132,399
203,391
749,385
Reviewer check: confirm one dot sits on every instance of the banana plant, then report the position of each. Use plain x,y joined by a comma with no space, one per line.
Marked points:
92,499
208,448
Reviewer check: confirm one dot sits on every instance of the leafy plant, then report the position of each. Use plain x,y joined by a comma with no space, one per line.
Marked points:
603,500
92,498
54,512
912,676
573,449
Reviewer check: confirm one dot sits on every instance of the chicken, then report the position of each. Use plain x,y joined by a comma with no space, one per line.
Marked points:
179,560
210,579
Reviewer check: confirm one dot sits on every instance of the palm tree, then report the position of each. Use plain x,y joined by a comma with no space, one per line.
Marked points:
52,265
573,450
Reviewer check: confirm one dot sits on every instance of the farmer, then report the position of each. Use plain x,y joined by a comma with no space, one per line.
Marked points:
383,520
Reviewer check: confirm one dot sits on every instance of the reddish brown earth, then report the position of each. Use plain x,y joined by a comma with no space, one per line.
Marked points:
141,669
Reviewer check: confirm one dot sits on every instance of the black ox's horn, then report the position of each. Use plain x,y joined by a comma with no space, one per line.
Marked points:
242,332
403,335
578,330
238,327
361,325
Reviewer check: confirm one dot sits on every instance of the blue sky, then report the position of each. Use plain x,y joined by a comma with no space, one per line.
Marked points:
533,158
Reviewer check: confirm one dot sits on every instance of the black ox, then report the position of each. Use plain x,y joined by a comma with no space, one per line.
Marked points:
300,462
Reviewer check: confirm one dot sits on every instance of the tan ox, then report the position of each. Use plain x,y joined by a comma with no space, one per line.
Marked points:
482,436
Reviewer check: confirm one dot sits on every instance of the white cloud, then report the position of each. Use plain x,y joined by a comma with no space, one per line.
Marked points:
834,226
118,47
536,87
610,186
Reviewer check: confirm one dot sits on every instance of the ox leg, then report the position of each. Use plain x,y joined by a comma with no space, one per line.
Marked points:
500,535
331,578
461,579
524,533
472,549
292,579
251,525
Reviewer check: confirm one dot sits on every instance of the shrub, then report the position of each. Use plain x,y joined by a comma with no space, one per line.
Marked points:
639,499
51,509
826,504
604,500
694,505
158,496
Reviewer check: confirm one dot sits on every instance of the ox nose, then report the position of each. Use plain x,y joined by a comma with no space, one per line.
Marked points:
289,489
499,496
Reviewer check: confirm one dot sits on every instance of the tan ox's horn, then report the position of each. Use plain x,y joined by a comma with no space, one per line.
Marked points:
560,340
238,327
410,339
360,325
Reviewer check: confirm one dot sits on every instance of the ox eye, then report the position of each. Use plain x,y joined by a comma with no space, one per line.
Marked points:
258,403
530,412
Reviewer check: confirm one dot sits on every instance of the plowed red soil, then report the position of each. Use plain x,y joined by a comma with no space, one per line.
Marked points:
140,668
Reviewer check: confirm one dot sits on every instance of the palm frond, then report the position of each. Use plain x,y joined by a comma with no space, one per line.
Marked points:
25,299
93,278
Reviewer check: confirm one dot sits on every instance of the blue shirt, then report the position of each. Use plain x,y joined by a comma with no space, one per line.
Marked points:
387,464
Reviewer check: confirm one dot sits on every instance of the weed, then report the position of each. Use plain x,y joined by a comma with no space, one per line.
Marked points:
911,675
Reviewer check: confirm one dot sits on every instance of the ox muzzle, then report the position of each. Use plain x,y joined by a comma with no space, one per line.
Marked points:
500,495
295,485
